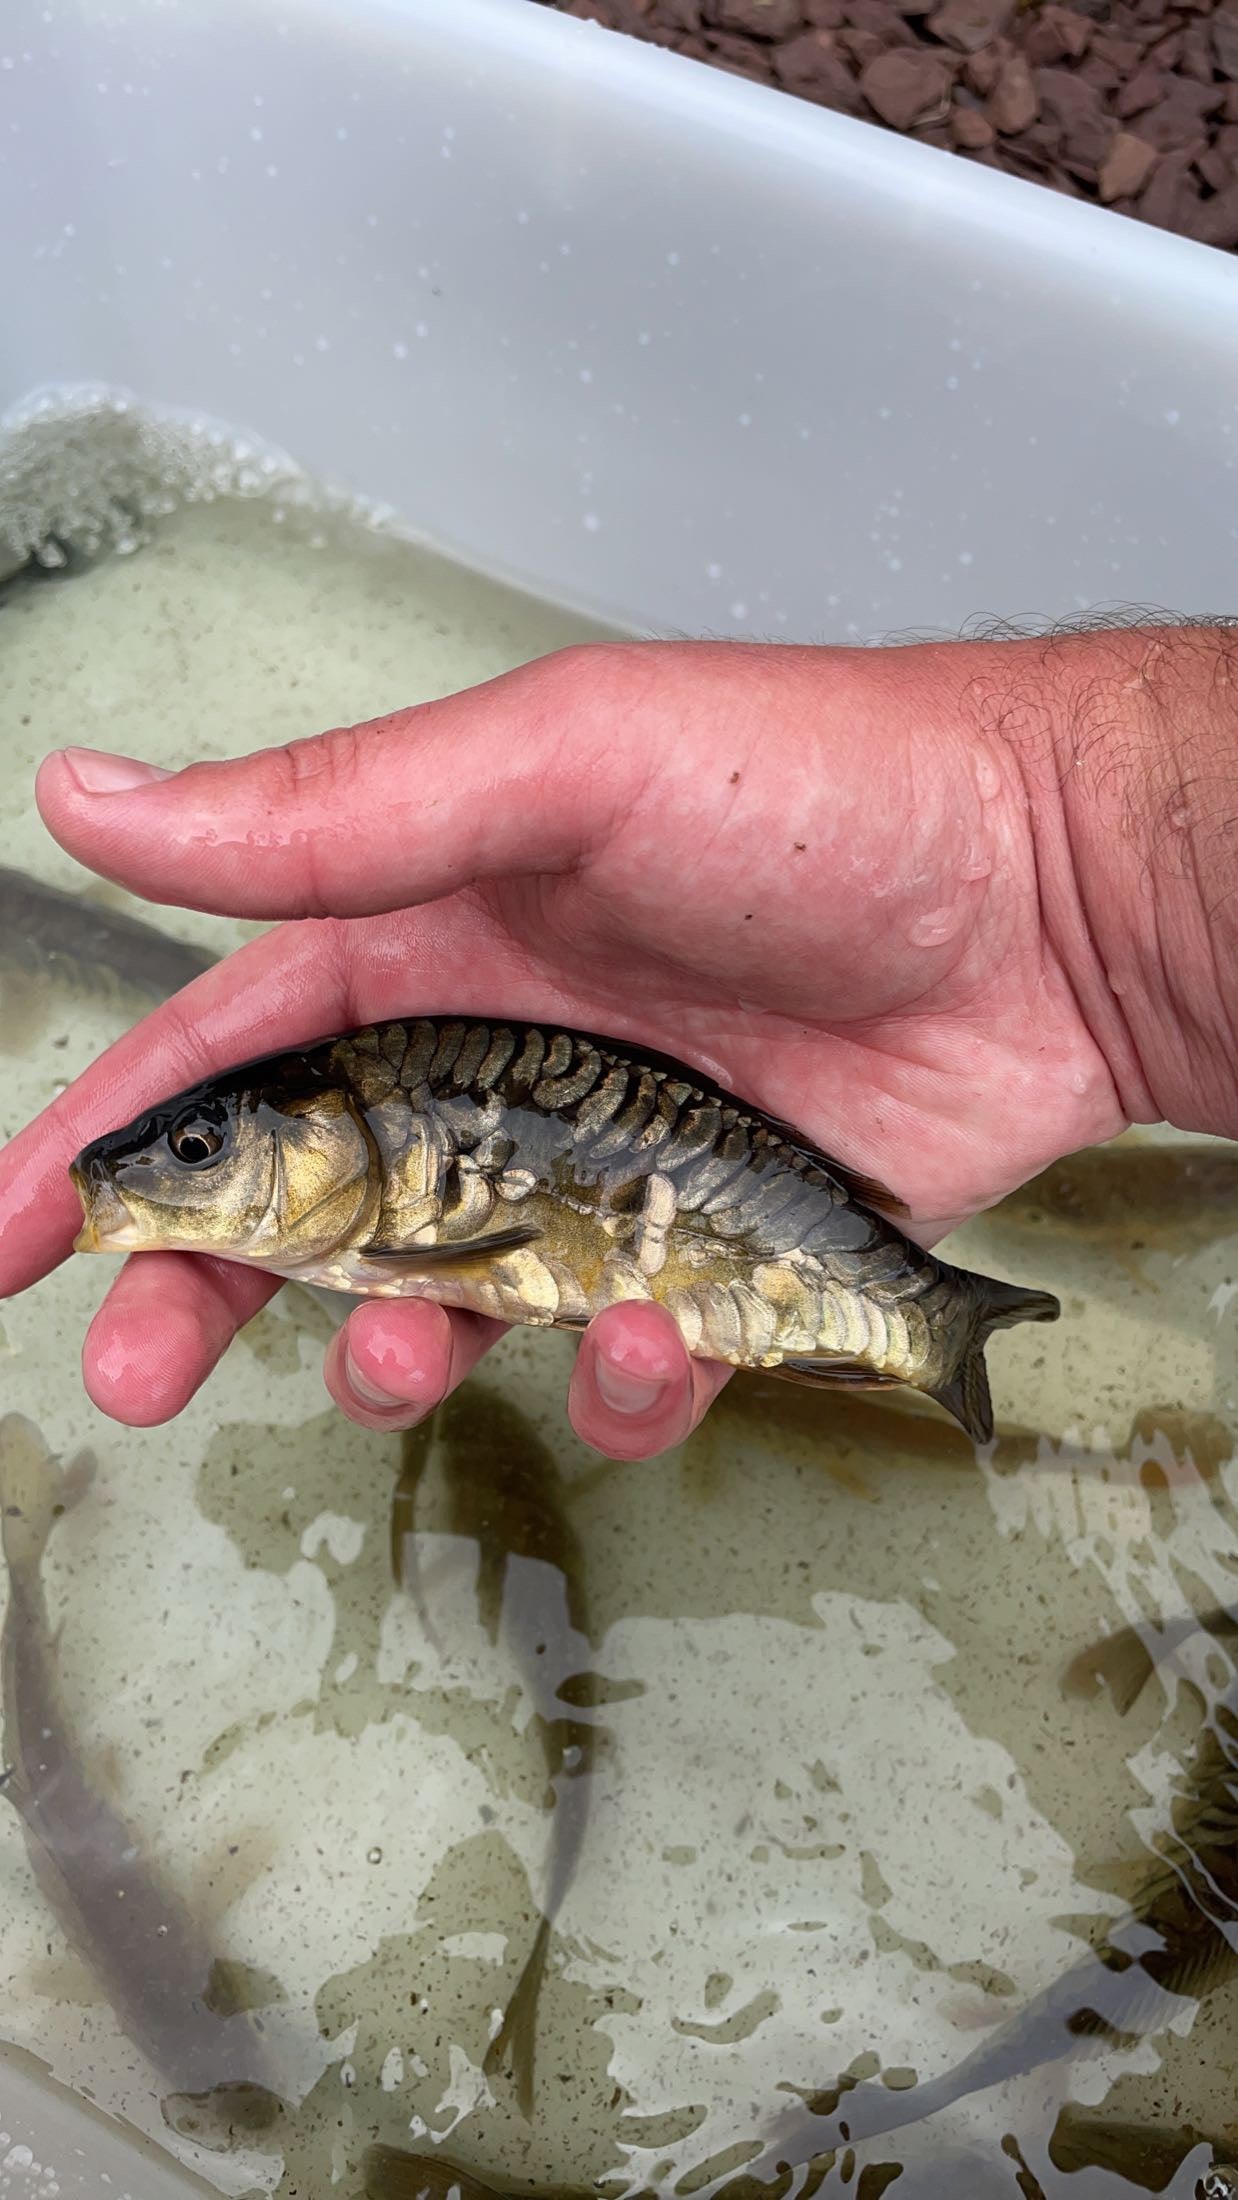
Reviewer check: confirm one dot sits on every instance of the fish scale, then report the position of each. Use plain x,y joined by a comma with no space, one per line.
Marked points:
539,1175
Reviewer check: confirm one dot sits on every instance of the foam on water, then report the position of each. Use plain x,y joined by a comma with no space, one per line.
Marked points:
86,469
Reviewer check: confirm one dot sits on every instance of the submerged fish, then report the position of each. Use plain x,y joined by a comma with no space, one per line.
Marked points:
1176,1195
1148,2156
504,1494
1179,1942
538,1175
53,936
138,1938
1122,1664
396,2173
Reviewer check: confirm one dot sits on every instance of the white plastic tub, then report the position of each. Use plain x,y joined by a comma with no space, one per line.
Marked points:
643,338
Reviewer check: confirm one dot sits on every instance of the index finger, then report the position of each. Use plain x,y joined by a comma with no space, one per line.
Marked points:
300,982
281,990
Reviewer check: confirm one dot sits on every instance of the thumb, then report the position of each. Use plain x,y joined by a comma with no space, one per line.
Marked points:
517,775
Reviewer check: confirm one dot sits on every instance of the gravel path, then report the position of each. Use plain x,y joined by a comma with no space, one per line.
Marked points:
1129,102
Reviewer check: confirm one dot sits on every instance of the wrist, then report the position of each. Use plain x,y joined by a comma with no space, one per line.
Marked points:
1127,743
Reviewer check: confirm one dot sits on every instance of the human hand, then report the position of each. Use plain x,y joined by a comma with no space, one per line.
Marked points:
838,882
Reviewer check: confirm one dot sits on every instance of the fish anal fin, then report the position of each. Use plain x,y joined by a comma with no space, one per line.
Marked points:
451,1252
833,1375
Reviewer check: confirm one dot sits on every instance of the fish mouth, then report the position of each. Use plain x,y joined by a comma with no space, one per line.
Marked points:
107,1227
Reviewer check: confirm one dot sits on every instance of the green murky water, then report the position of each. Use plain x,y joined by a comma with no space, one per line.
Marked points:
839,1804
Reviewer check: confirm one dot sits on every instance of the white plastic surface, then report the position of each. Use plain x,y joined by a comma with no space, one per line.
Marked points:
639,335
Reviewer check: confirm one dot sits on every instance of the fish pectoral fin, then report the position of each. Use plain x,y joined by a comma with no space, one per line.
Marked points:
460,1249
1120,1666
234,1988
834,1374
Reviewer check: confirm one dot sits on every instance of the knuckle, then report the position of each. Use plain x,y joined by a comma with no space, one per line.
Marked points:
322,766
596,672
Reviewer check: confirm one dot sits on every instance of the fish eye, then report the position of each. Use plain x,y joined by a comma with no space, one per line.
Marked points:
195,1139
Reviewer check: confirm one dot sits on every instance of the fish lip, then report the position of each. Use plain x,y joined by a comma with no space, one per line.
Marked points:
122,1237
87,1239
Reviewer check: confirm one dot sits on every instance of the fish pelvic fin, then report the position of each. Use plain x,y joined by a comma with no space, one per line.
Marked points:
833,1375
515,2042
964,1392
34,1491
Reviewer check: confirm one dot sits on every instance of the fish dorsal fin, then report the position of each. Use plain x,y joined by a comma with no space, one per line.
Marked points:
865,1190
458,1249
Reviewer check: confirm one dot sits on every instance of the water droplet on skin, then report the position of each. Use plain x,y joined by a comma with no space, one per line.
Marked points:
374,1856
935,926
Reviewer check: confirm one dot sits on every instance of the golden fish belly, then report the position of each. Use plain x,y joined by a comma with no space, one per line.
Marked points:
730,1305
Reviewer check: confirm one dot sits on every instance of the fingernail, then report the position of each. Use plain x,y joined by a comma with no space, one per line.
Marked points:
98,772
379,1401
623,1392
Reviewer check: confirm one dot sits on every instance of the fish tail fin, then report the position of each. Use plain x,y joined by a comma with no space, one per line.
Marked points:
964,1392
34,1491
516,2041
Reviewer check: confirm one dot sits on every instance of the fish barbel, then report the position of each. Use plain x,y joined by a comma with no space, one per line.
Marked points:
539,1175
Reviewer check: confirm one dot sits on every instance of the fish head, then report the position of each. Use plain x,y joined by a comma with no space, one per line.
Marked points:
271,1164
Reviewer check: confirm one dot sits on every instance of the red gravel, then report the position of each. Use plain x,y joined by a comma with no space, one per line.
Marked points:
1131,103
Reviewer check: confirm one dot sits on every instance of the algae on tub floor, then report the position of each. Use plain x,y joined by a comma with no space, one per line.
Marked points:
846,1808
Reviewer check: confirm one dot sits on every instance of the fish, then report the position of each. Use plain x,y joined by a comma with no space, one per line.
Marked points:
397,2173
178,2004
57,938
1121,1665
1179,1195
538,1175
1145,2155
504,1493
1179,1941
